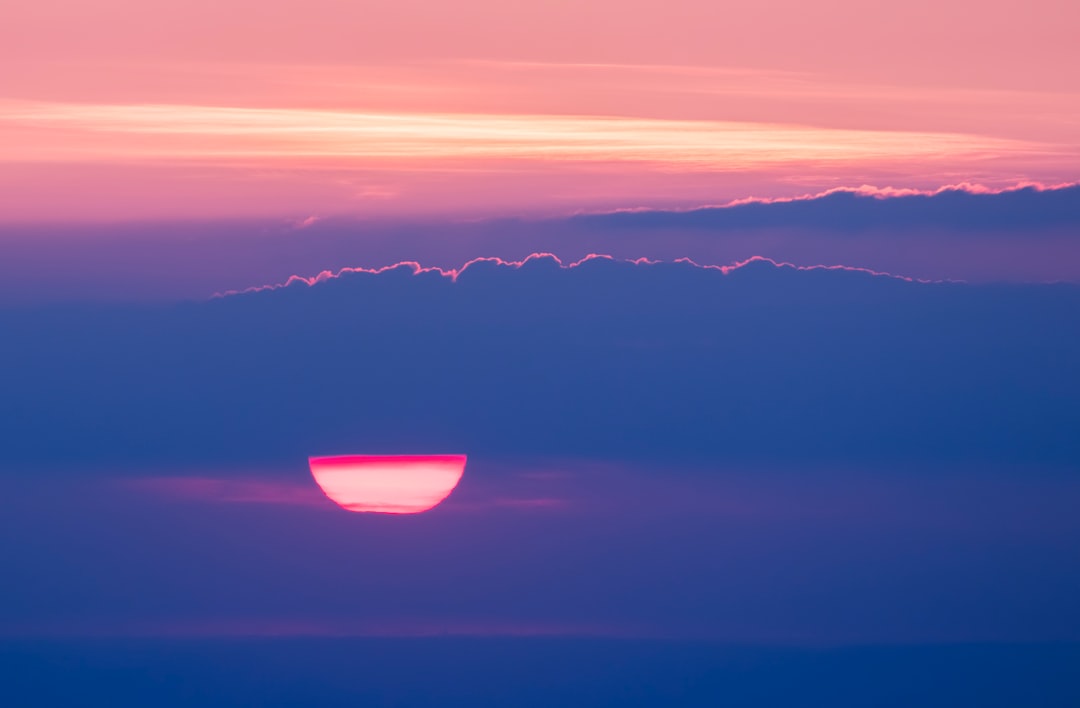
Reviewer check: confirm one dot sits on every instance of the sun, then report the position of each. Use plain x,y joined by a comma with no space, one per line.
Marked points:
388,484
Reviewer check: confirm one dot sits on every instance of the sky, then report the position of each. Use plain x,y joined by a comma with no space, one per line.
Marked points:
117,110
591,353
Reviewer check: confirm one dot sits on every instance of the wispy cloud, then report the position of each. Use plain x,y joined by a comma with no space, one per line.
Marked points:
243,627
79,132
233,490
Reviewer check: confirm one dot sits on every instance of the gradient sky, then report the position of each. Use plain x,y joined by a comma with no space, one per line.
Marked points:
757,324
120,110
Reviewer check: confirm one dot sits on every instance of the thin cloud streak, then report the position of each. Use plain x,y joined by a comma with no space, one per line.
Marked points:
233,490
263,491
657,91
237,628
76,132
177,158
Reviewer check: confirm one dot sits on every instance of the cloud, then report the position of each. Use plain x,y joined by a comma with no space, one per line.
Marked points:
601,358
453,273
228,490
268,489
245,628
964,206
1022,234
360,139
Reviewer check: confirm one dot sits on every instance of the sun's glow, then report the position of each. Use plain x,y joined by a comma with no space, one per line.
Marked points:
388,484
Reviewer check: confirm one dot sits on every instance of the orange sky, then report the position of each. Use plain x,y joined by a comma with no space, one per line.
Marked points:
126,109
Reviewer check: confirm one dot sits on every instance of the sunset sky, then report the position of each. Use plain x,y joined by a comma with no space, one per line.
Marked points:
117,110
488,353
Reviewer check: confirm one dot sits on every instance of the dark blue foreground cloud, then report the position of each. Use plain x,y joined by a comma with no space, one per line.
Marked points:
605,359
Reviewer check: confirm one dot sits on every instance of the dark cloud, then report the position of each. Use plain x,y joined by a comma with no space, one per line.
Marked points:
760,454
847,210
606,359
1027,234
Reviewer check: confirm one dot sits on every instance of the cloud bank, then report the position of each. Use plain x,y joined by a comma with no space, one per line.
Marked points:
1024,234
964,207
604,358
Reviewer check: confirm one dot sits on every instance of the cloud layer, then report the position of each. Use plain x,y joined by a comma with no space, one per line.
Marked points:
963,207
1027,233
604,358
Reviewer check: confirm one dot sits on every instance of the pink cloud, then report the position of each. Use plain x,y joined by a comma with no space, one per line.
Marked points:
271,492
229,490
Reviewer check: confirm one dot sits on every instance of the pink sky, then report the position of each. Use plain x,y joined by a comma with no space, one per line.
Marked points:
124,109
